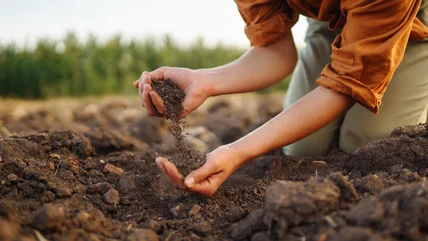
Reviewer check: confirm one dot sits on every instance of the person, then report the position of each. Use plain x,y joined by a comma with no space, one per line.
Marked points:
355,50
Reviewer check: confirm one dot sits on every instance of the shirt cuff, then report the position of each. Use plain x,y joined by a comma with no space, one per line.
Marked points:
351,87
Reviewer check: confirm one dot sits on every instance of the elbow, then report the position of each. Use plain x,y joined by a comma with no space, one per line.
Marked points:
286,53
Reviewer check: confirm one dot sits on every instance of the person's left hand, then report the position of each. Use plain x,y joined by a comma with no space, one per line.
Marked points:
219,165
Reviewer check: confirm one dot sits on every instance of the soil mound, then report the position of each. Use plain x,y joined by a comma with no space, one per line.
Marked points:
104,185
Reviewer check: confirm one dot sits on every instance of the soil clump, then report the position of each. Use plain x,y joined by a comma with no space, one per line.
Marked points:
187,158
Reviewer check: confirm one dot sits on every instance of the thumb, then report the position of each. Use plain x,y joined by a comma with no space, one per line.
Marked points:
159,73
199,175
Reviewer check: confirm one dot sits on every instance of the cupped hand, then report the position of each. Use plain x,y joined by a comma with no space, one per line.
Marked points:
219,165
197,90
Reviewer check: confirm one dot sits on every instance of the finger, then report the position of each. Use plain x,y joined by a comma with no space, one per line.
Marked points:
200,175
208,186
147,101
136,83
157,102
186,106
144,79
159,73
171,171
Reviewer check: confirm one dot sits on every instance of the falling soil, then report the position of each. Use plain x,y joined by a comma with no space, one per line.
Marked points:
93,184
187,158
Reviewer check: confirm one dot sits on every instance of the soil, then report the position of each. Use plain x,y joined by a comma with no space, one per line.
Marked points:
92,176
186,158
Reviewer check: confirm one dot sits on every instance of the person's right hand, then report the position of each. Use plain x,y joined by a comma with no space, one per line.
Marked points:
197,90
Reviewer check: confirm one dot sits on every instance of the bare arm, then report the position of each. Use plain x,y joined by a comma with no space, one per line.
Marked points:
301,119
258,68
309,114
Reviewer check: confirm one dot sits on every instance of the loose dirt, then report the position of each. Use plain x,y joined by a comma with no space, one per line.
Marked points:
187,158
92,176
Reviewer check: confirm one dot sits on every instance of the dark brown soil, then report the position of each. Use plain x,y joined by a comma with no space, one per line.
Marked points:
186,158
99,182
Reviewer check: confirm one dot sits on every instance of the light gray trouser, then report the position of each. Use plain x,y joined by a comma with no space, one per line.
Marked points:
405,101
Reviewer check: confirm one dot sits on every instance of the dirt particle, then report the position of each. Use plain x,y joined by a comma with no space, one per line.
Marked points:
409,176
126,185
63,192
235,214
171,95
370,183
260,236
48,197
50,217
252,224
113,170
194,237
112,197
367,212
176,211
102,187
153,225
143,235
347,189
12,177
188,157
202,228
195,210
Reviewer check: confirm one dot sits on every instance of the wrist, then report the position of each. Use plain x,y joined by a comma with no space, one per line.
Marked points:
242,154
207,78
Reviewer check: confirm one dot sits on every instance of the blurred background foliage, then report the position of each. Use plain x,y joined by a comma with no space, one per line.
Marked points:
80,68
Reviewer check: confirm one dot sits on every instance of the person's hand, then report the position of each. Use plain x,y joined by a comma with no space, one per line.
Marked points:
197,90
219,165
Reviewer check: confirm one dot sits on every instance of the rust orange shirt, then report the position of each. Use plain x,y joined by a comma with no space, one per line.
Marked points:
365,55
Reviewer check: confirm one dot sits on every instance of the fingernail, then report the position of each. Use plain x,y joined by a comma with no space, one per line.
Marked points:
189,182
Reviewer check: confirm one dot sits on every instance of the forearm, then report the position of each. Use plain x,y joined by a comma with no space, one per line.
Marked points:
309,114
258,68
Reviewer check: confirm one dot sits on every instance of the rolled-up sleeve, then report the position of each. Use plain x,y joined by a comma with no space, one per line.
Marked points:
370,48
266,20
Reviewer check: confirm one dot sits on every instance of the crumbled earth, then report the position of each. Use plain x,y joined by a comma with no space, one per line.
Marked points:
92,176
186,157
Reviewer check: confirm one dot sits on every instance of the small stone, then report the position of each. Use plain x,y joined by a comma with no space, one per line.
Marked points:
1,159
143,235
175,210
115,171
103,187
21,164
50,217
112,197
3,182
202,228
63,192
12,177
126,185
51,166
235,214
195,210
